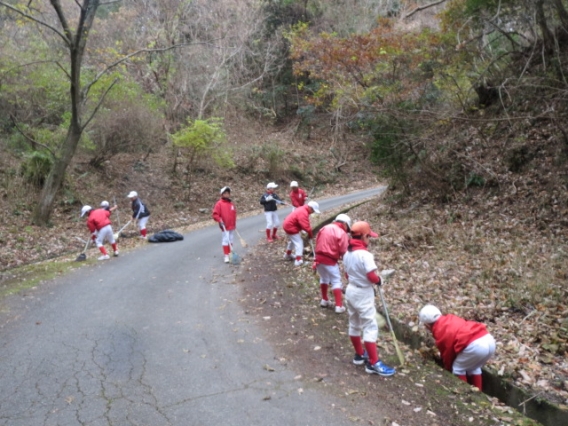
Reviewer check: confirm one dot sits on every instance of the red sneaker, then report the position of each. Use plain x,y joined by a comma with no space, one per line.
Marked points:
270,240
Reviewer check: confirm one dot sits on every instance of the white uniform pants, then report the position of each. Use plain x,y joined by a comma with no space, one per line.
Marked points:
474,356
227,238
142,222
105,233
295,242
330,274
362,312
272,220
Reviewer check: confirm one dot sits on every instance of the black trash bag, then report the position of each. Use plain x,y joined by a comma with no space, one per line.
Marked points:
167,236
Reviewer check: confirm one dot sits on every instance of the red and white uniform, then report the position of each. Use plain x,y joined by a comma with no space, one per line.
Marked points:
298,220
225,212
331,245
361,269
465,346
298,197
100,226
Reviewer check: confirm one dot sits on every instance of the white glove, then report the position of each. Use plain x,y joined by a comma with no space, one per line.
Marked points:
269,198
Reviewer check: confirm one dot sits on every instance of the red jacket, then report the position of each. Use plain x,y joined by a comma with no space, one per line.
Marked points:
331,244
298,198
225,211
298,220
98,219
453,334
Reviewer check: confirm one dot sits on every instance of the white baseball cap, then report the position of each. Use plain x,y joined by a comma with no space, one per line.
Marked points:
271,185
344,219
132,194
85,209
105,204
429,314
293,183
224,189
315,206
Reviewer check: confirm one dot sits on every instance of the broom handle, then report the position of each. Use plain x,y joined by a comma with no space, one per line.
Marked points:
117,215
398,351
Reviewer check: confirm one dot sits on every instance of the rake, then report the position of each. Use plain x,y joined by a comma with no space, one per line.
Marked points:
242,240
116,235
83,256
385,275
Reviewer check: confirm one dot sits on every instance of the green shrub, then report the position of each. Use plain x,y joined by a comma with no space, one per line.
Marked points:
274,156
35,167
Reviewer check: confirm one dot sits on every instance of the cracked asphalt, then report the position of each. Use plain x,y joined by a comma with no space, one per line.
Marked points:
154,337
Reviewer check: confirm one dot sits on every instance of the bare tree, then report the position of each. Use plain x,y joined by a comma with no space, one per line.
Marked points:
75,40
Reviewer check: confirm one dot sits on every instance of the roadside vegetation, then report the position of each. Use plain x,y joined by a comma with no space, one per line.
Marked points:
459,105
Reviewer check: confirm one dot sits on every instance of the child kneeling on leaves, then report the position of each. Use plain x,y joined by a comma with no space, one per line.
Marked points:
465,346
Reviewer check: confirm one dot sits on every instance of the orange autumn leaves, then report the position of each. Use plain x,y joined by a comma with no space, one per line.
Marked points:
381,68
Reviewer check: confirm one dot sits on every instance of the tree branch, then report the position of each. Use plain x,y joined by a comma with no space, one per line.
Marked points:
31,18
99,104
63,20
121,60
31,140
64,70
419,8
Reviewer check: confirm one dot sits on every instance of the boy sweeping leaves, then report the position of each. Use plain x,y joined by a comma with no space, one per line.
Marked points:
98,222
331,244
361,271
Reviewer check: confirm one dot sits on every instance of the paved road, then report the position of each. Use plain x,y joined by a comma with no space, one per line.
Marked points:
156,338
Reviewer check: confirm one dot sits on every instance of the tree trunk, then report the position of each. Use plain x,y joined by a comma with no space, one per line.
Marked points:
44,207
547,36
76,43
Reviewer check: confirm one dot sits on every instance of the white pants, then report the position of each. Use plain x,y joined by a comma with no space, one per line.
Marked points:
330,275
272,220
227,238
295,242
142,222
105,233
474,356
362,312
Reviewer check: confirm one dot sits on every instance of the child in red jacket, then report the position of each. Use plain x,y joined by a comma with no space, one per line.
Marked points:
98,222
225,214
331,244
298,196
299,220
465,346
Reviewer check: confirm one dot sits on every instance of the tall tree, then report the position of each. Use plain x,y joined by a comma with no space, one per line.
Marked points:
75,41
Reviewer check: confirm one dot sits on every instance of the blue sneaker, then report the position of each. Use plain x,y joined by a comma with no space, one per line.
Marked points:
360,359
380,369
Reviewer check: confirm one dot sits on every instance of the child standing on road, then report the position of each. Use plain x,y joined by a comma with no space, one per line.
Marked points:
298,196
331,244
99,224
465,346
269,200
295,222
225,214
361,270
140,213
